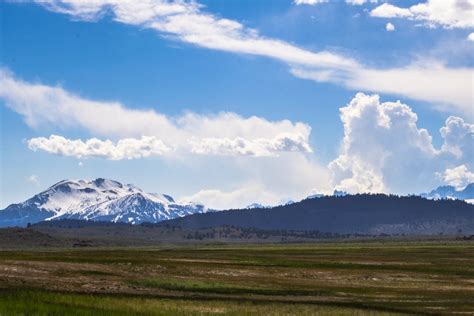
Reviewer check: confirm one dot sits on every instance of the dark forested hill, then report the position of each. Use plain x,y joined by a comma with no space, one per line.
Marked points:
362,213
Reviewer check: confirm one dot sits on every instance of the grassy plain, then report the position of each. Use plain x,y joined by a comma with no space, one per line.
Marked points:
349,278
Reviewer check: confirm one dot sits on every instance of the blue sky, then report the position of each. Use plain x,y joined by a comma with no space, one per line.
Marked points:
172,70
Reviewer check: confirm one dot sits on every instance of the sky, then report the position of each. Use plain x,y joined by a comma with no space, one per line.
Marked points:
230,103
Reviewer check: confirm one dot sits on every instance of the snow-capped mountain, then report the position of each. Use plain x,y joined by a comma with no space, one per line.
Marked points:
100,199
450,192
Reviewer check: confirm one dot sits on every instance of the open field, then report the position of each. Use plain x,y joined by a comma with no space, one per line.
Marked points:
81,234
350,278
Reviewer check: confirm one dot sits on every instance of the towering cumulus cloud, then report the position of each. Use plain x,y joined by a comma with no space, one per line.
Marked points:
384,150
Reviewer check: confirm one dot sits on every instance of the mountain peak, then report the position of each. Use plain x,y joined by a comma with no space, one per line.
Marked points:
450,192
98,199
106,183
469,188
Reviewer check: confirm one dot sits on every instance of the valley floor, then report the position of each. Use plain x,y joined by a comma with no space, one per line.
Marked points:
349,278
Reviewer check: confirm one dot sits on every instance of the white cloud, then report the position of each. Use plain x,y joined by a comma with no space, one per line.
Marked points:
309,2
238,198
434,13
271,181
127,148
458,177
147,146
384,150
388,10
42,105
187,22
360,2
458,138
447,87
450,89
33,179
470,37
259,147
356,175
390,27
314,2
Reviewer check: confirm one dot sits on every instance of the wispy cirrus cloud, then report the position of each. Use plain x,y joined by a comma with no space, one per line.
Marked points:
189,23
450,89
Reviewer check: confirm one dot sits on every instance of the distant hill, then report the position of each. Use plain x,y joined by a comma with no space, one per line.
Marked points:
361,213
98,200
450,192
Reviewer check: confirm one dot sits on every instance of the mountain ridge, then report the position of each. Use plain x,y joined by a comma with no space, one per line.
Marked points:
360,213
450,192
